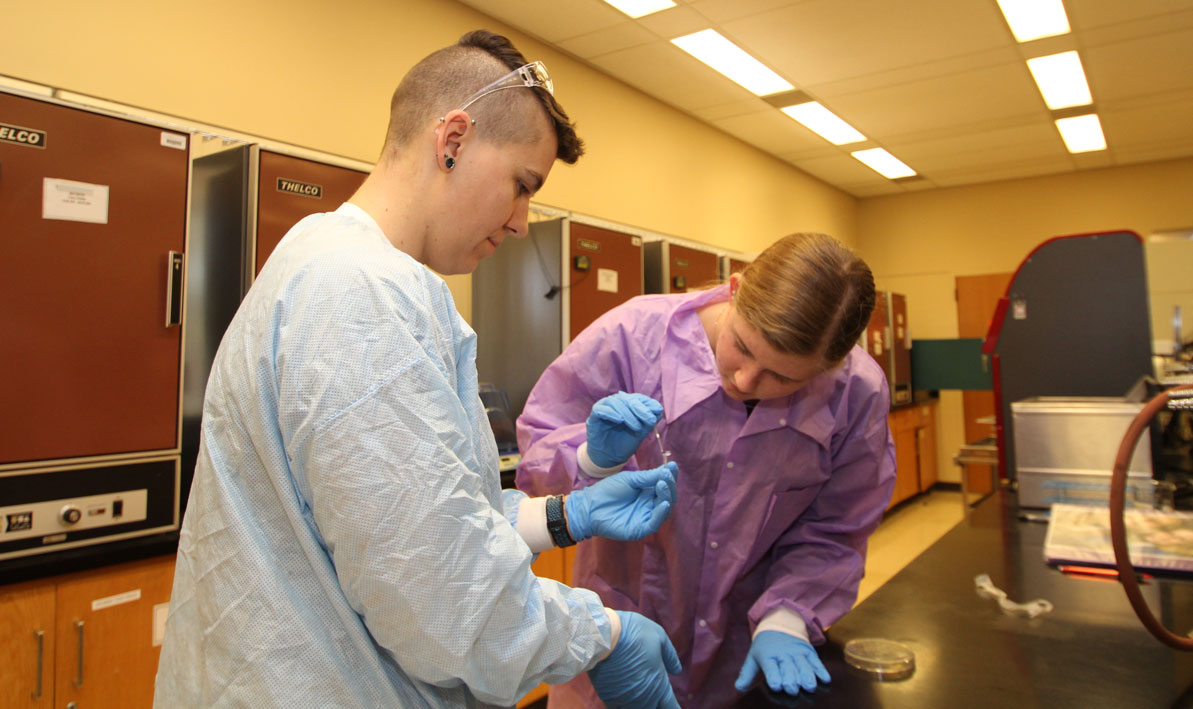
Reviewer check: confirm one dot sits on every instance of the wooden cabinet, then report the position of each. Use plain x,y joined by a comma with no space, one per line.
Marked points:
914,431
87,639
27,644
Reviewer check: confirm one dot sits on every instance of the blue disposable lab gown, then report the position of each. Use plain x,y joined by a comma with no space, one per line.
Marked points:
345,542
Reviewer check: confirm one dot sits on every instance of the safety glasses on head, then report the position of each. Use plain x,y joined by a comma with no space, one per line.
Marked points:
526,76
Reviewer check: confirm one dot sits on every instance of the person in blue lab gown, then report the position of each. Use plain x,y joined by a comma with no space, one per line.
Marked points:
346,541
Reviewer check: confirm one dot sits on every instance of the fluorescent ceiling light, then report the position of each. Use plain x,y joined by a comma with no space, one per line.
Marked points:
1033,19
639,8
1082,134
824,123
1061,80
726,57
883,163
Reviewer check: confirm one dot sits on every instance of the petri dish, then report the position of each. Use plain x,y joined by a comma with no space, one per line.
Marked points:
887,660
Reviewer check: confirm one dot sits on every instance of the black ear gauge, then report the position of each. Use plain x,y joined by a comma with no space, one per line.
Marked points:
449,162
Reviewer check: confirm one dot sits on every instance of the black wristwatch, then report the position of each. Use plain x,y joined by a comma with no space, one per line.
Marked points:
557,526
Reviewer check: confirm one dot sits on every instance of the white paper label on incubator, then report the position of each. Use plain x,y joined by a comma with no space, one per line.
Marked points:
127,597
74,201
174,140
607,280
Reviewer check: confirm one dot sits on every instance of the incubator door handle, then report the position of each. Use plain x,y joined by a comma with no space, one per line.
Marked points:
174,288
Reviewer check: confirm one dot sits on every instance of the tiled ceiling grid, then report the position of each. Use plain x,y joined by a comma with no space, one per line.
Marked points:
941,84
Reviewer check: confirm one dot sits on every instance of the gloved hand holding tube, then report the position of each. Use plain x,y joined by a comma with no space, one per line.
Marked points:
617,425
635,672
788,663
628,506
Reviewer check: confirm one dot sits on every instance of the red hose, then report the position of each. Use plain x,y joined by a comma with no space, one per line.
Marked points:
1118,531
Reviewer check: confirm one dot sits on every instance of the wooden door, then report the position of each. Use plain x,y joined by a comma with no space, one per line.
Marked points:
907,475
106,656
926,436
89,215
27,646
291,188
977,297
612,273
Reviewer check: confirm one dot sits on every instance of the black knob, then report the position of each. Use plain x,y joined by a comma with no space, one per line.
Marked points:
70,514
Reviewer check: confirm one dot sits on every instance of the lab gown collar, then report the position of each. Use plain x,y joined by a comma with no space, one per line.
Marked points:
689,367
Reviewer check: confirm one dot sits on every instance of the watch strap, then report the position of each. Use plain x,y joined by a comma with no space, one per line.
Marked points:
556,524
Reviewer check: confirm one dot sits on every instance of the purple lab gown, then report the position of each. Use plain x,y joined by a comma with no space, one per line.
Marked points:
774,509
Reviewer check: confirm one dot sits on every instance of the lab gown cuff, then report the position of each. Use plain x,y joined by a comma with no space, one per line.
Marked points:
614,630
532,524
590,468
785,621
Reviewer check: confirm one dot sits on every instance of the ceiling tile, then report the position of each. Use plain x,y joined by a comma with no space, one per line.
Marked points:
725,10
667,73
873,189
839,169
972,97
829,40
733,108
774,132
551,20
608,39
1151,65
1150,130
895,76
1015,143
675,22
1032,168
1087,15
1093,159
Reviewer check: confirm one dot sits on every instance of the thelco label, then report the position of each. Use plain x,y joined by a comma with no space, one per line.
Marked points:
22,136
305,189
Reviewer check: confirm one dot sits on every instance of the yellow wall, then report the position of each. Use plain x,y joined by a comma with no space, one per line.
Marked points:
918,243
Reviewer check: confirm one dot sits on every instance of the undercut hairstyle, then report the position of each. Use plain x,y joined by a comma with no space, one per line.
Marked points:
446,78
808,295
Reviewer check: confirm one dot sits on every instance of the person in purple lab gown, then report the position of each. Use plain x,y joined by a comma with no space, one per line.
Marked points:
778,423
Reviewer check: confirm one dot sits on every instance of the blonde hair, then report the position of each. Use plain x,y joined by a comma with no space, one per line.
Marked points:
808,295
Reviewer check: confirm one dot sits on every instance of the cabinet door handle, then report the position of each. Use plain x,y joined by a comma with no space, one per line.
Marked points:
41,639
174,289
79,633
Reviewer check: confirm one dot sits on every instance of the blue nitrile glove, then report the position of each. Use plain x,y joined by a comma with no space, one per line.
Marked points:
789,663
635,673
627,506
617,425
